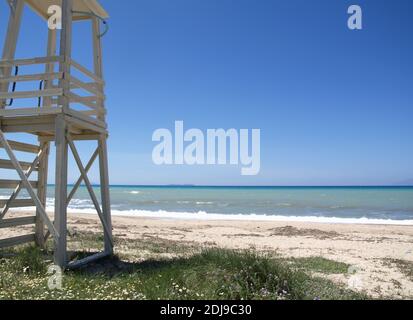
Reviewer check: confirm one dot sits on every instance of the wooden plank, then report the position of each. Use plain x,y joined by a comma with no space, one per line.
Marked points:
89,101
91,87
11,184
35,128
86,128
17,222
34,111
79,115
15,241
31,94
93,112
7,164
75,137
18,203
80,263
25,62
86,72
32,77
23,147
43,119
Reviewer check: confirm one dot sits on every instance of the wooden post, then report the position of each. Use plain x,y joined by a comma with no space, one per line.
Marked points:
42,193
44,163
97,59
60,256
104,189
66,52
60,219
102,144
10,43
51,51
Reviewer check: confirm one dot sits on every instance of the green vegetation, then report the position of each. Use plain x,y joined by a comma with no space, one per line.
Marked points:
196,274
320,265
405,267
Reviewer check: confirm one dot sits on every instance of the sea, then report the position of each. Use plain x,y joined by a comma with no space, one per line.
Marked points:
367,205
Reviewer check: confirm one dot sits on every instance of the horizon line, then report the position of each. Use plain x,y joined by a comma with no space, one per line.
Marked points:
248,186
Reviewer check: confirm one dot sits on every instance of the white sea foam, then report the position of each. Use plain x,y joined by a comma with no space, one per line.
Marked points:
201,215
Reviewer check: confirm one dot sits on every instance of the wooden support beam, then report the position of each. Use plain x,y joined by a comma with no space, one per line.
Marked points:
31,94
97,62
86,121
86,72
104,190
44,161
18,188
23,147
34,128
80,263
51,51
75,137
32,77
28,112
107,230
7,164
89,101
17,203
103,160
15,241
11,184
60,243
27,184
10,44
26,62
66,52
92,87
17,222
80,180
42,193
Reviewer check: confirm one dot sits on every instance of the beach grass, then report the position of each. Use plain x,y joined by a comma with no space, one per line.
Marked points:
197,274
320,265
405,266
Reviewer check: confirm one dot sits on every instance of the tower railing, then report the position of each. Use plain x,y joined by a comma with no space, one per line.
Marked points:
86,97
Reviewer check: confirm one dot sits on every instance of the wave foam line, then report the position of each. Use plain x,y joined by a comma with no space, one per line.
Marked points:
201,215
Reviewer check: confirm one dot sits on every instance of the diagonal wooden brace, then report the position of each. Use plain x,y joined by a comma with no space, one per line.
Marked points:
17,190
89,187
80,180
27,185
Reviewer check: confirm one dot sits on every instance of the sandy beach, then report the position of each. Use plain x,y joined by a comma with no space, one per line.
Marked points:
376,254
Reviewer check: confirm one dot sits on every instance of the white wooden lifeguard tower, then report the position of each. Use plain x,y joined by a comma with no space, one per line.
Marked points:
69,109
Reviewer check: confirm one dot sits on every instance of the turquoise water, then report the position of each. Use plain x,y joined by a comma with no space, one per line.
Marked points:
372,203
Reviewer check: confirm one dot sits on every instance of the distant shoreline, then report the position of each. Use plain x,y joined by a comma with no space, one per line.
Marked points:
252,187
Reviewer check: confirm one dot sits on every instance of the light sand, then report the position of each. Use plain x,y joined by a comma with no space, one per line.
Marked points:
367,248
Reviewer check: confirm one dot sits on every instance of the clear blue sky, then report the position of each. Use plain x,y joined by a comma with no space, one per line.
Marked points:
335,107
